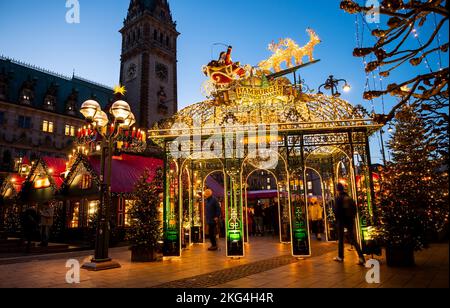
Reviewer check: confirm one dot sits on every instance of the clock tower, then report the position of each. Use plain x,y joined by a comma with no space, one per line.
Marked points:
149,61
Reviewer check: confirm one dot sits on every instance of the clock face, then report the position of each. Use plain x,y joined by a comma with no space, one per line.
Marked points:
162,72
132,71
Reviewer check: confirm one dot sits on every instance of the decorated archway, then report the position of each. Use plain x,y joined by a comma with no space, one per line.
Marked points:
255,119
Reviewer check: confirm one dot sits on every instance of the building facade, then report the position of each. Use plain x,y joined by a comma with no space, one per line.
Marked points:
39,111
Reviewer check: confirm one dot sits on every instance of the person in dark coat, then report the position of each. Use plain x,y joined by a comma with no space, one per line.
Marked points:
213,212
259,219
345,212
30,224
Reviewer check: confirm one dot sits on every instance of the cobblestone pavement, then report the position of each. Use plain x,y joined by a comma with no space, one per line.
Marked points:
242,271
267,265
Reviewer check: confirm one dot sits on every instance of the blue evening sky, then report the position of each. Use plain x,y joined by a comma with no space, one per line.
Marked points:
36,32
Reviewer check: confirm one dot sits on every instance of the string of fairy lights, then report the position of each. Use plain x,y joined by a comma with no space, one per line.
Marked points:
361,25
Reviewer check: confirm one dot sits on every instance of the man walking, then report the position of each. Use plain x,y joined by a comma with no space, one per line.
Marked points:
345,211
213,213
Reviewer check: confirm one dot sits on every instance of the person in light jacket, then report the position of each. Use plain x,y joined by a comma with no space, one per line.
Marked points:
315,212
47,214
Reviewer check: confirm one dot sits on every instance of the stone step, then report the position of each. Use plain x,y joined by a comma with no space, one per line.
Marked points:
10,243
13,246
50,249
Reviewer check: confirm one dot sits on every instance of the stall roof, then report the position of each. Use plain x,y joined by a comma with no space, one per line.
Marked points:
17,181
14,181
56,167
126,170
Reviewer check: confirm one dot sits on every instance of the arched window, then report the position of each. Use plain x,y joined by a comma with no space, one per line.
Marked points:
155,35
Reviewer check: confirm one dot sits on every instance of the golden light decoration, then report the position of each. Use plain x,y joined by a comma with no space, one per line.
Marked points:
287,50
255,100
119,89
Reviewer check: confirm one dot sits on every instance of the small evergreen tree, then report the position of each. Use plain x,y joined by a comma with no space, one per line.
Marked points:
59,223
414,200
13,223
146,228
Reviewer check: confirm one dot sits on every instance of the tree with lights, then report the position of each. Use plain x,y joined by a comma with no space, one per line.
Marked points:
145,229
428,91
414,199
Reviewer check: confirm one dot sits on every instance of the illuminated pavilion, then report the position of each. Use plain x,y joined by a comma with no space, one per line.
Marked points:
263,122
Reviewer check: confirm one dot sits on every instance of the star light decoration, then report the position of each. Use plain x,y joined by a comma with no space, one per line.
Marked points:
119,89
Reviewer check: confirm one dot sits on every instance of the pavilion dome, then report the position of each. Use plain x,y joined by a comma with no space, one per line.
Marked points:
244,107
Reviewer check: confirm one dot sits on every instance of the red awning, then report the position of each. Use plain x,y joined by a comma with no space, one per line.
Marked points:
56,166
218,191
263,194
127,169
16,181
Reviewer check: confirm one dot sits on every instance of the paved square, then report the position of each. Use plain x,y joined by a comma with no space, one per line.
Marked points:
268,265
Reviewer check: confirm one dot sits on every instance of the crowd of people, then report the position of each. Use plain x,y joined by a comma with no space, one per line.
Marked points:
263,219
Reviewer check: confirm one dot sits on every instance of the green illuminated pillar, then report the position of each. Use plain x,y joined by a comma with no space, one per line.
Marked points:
172,215
234,216
362,202
299,214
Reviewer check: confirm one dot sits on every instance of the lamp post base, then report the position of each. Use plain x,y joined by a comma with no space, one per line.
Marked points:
101,265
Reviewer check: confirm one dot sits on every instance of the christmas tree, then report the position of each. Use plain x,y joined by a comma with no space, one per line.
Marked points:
414,199
145,230
58,228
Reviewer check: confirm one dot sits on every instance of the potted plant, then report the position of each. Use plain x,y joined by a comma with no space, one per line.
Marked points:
145,228
402,231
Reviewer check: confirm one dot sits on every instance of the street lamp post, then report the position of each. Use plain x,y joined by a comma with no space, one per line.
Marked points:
332,84
121,119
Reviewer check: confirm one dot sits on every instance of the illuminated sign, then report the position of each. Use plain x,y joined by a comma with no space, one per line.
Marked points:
234,227
259,93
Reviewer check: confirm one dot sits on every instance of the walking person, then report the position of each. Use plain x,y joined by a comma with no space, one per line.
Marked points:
345,212
259,219
213,212
47,214
315,212
30,224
